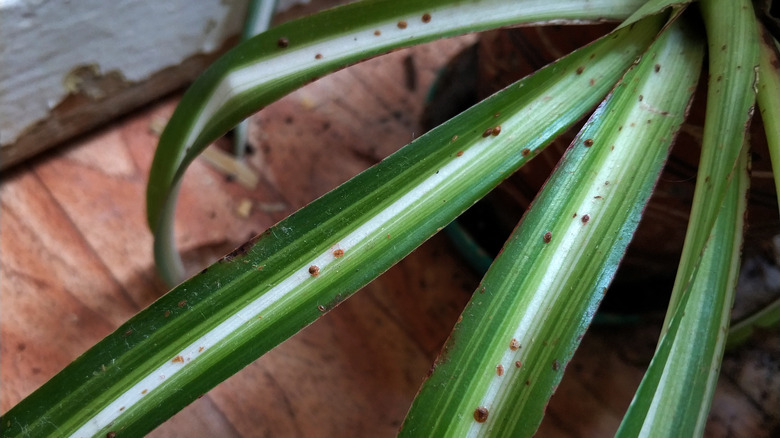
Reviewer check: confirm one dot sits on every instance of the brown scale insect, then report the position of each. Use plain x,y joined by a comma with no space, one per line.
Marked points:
487,132
525,152
318,56
514,344
499,370
182,303
588,143
111,434
338,253
402,24
321,308
496,130
580,69
377,32
314,270
547,237
283,42
555,365
426,18
178,359
585,219
518,364
459,154
481,414
657,68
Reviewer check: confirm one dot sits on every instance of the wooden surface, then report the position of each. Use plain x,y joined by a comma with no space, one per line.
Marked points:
76,262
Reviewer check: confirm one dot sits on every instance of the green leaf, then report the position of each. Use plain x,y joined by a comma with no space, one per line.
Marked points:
732,42
258,20
769,101
506,356
268,66
216,323
675,395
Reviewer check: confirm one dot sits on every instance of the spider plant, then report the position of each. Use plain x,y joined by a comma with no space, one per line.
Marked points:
509,350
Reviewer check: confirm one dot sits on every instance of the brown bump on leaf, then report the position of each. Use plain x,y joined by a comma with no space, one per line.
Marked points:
283,42
514,344
200,349
459,153
338,253
318,56
426,18
377,32
167,313
178,359
487,132
496,130
127,333
499,370
454,137
657,68
525,152
547,237
182,303
641,97
592,82
574,215
144,391
260,268
527,383
111,434
481,414
588,142
321,308
555,365
314,270
518,364
585,219
482,290
402,24
580,69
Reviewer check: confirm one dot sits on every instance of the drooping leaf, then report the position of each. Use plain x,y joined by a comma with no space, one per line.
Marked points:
732,43
506,355
272,64
675,395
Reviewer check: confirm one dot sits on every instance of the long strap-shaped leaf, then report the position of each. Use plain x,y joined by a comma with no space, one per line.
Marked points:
274,63
521,327
674,397
732,42
769,103
769,100
213,325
